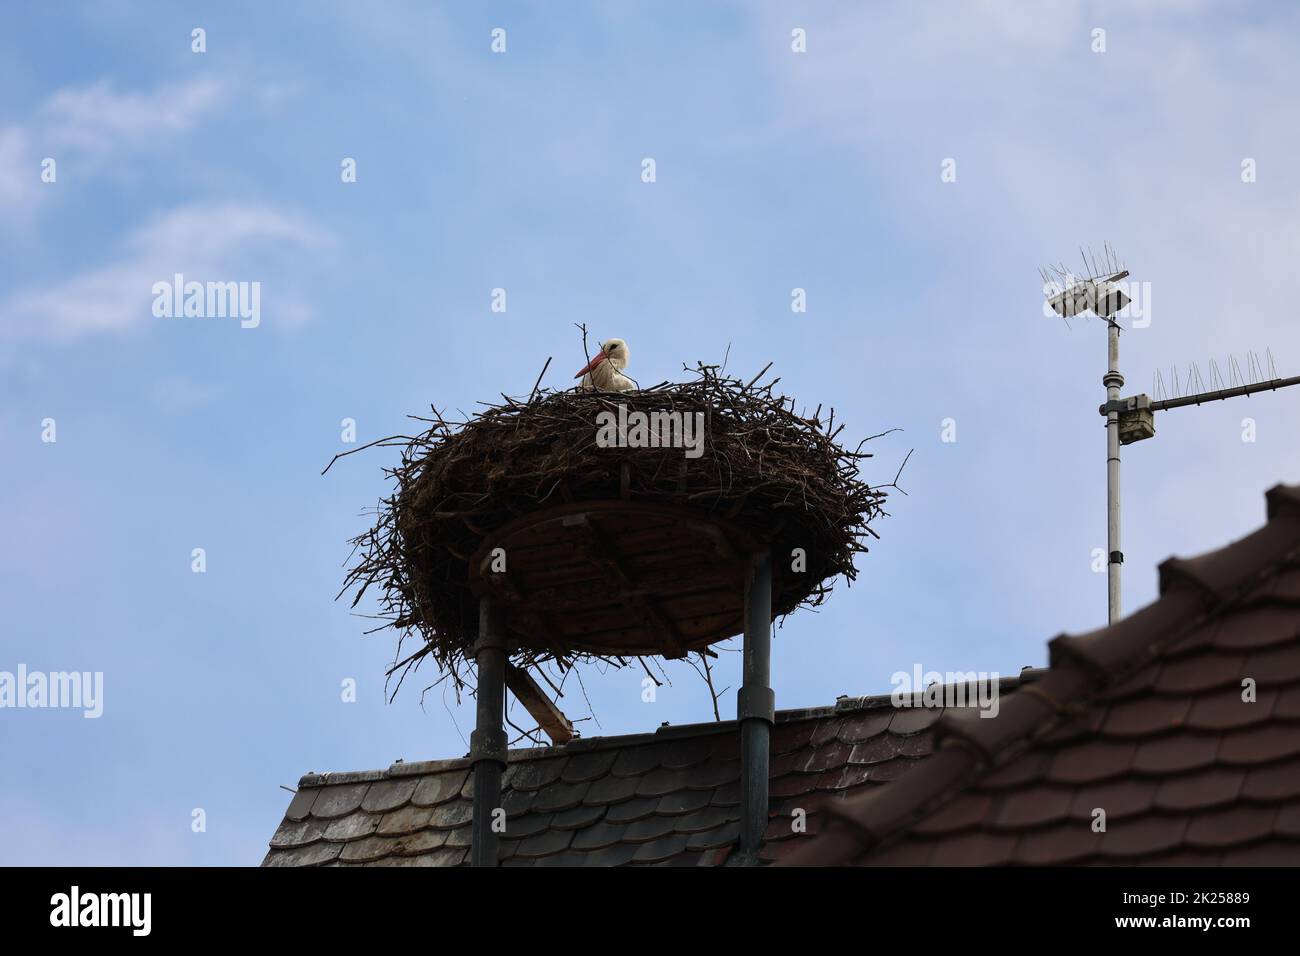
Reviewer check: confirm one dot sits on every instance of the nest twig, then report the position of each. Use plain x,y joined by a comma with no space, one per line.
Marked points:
766,468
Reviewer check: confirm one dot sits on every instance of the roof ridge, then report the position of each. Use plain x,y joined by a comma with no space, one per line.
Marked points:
843,705
967,746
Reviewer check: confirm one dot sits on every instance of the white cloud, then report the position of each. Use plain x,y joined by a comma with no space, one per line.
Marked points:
204,241
99,119
90,126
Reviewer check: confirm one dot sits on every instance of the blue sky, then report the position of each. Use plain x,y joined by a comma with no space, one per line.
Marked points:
521,170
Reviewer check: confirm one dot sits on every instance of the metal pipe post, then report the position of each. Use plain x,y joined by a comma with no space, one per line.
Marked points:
1113,381
487,744
756,703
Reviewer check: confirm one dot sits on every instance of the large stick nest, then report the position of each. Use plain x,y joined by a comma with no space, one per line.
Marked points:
777,474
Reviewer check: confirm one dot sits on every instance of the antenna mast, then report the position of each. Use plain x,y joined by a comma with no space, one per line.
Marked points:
1129,419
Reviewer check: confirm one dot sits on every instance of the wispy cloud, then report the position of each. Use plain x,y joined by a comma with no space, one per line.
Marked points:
98,118
94,124
205,241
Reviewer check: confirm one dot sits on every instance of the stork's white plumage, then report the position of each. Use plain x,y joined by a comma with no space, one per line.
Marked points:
605,370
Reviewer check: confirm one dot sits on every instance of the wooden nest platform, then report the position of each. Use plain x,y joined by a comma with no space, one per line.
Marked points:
622,578
611,550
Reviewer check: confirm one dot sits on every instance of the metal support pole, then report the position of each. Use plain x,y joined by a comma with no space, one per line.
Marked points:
1113,381
756,703
487,744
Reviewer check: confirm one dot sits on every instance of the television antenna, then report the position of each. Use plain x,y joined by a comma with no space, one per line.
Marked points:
1132,419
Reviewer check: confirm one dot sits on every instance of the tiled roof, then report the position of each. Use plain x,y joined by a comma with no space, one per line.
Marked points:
669,797
1144,720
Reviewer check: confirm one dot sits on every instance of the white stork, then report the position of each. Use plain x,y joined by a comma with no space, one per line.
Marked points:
605,371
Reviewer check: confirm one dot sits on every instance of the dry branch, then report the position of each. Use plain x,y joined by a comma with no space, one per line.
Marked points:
777,474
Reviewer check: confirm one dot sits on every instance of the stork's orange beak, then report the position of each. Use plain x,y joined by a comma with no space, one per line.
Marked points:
600,357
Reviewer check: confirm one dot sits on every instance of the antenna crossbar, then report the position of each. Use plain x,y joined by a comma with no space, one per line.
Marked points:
1222,393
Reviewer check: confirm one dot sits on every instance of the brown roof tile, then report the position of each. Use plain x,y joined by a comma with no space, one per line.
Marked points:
864,725
1031,807
831,756
1256,745
1093,761
961,813
848,777
1143,719
1142,716
875,750
791,738
1274,853
1287,823
1197,673
1123,797
1195,791
1286,704
793,785
1071,842
1275,781
913,720
825,732
1136,837
1231,826
1225,710
975,848
1175,753
1253,627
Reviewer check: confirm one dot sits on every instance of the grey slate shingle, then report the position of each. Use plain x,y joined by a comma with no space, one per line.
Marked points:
650,799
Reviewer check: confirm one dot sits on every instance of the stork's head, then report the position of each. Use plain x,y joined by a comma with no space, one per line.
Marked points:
613,351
